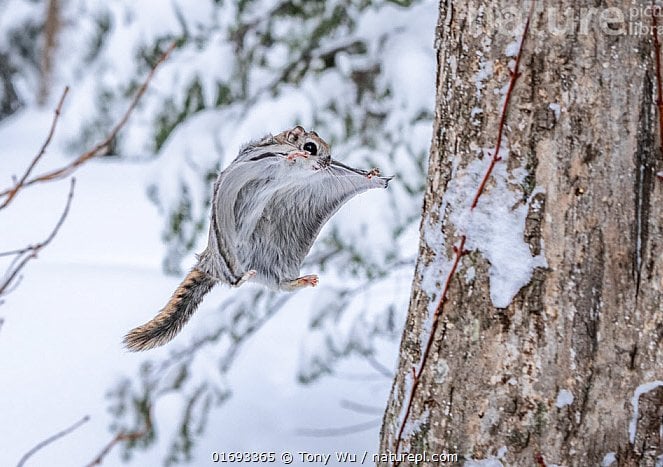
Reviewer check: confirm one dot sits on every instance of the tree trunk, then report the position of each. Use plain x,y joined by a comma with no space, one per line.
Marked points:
570,371
52,26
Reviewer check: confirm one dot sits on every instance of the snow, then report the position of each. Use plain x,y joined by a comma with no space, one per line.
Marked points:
483,463
496,226
441,371
76,300
484,73
100,277
405,391
556,108
512,48
414,425
609,459
470,274
102,274
564,398
635,401
432,274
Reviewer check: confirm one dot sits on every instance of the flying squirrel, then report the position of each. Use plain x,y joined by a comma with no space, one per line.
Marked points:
268,208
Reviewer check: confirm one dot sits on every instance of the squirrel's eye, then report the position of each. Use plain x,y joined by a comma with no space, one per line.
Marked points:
311,148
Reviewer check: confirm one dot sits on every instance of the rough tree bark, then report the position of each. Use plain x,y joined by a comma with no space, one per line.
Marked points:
590,324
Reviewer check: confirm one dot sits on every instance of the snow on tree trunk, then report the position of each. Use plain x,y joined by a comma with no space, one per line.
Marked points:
549,347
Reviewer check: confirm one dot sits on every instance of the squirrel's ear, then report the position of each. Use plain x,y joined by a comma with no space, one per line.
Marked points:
296,133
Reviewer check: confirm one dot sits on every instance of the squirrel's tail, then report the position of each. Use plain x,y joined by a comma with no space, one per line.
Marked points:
165,326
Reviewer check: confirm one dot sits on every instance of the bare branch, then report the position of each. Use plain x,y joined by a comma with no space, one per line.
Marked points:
121,437
360,408
30,252
340,431
9,195
15,252
50,439
13,287
97,149
379,367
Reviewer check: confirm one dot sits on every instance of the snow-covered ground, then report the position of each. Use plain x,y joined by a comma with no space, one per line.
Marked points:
60,345
367,87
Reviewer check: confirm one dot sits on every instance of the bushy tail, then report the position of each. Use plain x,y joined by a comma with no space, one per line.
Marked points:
170,320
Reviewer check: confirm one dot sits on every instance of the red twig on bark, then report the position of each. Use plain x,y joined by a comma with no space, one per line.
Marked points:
416,373
540,461
459,250
9,196
51,439
97,149
24,255
515,74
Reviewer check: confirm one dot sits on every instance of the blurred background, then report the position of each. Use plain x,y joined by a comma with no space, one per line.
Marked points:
254,370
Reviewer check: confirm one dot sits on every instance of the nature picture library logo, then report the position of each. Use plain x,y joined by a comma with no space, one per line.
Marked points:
570,21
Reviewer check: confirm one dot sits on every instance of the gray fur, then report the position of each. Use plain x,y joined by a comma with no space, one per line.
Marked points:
268,208
267,212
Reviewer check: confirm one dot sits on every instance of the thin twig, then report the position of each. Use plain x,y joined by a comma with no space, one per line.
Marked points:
459,250
515,74
12,192
120,437
31,252
96,150
360,408
416,373
13,287
540,461
50,439
16,252
379,367
340,431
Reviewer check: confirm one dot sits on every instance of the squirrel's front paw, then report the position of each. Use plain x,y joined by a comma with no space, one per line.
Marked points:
373,173
297,154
